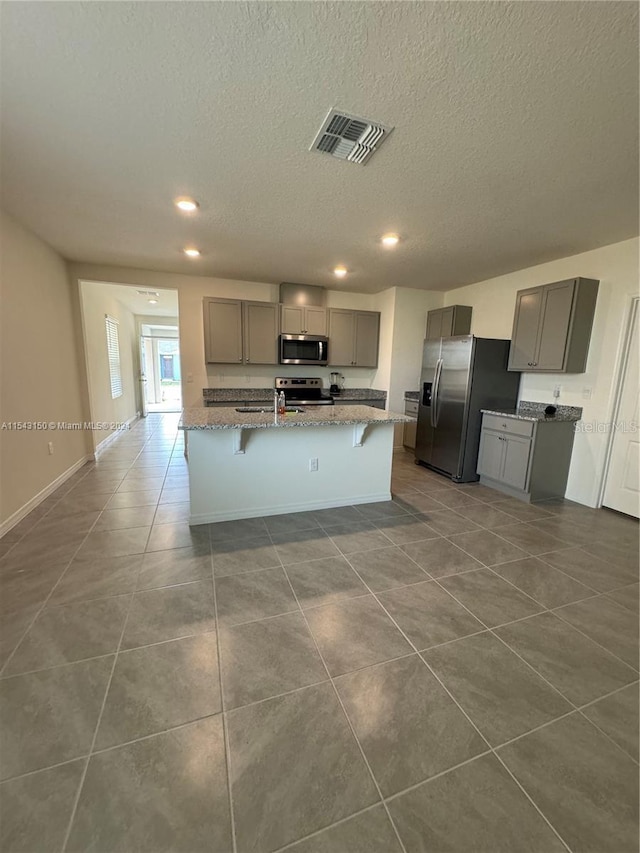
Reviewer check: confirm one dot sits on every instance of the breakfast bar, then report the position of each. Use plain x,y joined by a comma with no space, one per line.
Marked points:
244,464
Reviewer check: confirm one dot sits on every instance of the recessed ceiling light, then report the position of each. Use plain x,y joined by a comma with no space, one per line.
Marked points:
153,302
192,252
390,241
186,205
340,271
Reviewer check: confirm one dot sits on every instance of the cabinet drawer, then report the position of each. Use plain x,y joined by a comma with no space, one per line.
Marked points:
505,424
411,408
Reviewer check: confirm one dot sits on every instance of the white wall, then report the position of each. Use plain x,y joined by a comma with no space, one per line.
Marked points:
409,328
97,300
493,302
42,367
197,375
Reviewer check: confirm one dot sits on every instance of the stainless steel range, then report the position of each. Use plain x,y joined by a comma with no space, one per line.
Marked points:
303,391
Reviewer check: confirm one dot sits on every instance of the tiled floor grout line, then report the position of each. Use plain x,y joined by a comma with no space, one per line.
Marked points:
44,603
344,710
586,636
576,708
223,708
108,654
471,722
95,731
324,829
187,723
492,630
579,710
428,577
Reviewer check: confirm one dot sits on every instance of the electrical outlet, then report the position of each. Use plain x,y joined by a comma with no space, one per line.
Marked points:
556,391
586,393
50,446
313,464
189,377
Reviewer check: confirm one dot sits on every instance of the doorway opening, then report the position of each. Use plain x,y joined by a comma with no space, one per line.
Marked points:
160,368
116,321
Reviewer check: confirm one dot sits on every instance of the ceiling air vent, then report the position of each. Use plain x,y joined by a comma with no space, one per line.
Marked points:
348,137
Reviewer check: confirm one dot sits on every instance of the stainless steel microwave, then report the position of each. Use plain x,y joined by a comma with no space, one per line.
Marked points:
304,349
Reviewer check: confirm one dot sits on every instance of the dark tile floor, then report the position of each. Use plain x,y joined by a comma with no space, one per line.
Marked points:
449,671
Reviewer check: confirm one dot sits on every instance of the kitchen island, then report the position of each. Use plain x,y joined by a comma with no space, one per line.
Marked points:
247,464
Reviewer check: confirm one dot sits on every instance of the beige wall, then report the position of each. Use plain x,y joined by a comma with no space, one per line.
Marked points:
96,301
493,302
409,325
41,366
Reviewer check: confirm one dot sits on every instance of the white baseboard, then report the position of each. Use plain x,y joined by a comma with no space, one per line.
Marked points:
24,510
281,509
112,436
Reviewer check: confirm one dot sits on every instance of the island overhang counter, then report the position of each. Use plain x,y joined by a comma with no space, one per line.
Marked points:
249,464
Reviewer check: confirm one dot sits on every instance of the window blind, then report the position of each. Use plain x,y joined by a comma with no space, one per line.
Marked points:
113,353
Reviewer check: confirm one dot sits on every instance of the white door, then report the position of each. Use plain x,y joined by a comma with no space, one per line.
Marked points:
143,380
622,489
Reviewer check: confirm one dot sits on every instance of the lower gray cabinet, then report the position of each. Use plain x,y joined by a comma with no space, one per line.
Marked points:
525,459
409,429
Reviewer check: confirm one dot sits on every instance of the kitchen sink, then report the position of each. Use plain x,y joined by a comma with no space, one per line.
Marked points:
266,409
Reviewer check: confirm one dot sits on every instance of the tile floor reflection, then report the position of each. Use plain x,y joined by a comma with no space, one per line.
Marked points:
452,670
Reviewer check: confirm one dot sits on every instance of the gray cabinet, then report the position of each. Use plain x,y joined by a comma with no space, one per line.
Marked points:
353,338
223,331
260,332
303,320
237,332
409,429
525,459
449,322
552,327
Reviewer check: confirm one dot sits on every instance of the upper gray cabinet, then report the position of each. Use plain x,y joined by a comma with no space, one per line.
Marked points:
449,322
237,332
260,332
552,327
223,331
353,338
303,320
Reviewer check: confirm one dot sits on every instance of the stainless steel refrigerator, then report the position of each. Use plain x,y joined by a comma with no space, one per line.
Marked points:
459,377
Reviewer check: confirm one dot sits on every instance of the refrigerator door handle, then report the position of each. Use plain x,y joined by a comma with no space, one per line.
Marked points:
434,395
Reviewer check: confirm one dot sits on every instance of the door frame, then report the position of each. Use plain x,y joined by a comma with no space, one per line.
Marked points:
622,359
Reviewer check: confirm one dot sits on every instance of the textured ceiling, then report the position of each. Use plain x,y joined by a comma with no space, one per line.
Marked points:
138,303
515,136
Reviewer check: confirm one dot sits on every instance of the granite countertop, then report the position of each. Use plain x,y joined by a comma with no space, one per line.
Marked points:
228,418
262,395
527,411
360,394
411,395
